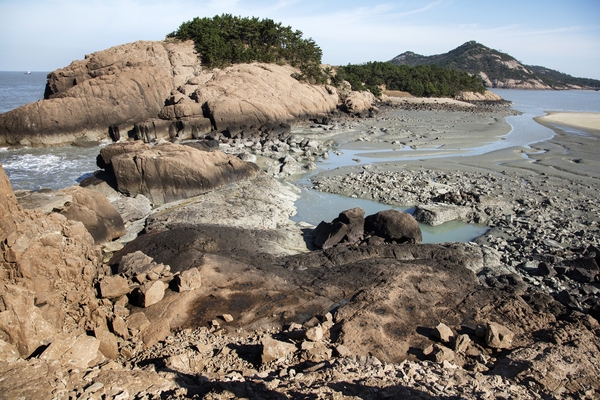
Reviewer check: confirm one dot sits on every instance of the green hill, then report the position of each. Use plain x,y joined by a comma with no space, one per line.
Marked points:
497,69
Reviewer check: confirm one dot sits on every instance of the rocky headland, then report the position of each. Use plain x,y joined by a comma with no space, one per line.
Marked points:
152,90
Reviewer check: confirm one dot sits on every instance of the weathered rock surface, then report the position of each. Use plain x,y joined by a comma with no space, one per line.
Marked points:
359,102
119,86
45,259
250,94
348,227
437,214
170,172
151,90
96,213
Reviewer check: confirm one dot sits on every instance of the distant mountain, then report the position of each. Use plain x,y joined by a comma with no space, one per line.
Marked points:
497,69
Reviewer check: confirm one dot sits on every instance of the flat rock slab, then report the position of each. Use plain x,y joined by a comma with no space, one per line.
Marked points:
385,295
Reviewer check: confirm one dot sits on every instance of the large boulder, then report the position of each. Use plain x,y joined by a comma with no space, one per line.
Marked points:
438,213
394,225
170,172
115,87
96,213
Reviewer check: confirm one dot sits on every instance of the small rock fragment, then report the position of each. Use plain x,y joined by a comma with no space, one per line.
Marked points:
443,332
498,336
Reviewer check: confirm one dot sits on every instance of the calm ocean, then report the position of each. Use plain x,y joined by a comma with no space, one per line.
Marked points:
18,88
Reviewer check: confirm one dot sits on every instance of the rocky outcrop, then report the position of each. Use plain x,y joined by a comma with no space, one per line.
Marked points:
472,96
349,227
170,172
151,90
250,94
438,213
96,213
119,87
48,266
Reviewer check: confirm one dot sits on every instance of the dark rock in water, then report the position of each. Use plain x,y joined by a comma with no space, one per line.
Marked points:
394,225
328,234
348,227
355,220
170,172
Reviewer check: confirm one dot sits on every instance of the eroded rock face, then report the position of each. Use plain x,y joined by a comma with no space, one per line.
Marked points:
48,265
115,87
170,172
96,213
255,94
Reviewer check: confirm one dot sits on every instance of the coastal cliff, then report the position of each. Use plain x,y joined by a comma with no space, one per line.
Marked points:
159,87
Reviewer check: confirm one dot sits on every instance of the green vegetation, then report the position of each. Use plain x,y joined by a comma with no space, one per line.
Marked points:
473,57
421,81
225,40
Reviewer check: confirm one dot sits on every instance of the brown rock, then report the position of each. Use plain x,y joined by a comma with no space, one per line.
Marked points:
358,102
443,333
50,256
442,353
274,349
314,334
462,343
498,336
119,327
155,333
114,87
316,352
151,293
138,321
108,343
8,352
189,280
112,287
21,322
170,172
77,352
96,213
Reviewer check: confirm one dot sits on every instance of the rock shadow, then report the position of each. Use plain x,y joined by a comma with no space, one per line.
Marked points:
365,392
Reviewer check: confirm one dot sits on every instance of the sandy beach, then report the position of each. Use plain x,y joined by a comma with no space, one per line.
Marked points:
589,121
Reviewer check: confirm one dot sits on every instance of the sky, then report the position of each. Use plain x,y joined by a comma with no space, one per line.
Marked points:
44,35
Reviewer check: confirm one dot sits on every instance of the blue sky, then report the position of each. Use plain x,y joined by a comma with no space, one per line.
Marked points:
43,35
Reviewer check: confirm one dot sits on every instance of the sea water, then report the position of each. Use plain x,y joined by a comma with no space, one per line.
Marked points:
39,168
59,167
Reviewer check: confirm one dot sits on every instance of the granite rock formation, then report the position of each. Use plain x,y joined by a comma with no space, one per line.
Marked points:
170,172
148,90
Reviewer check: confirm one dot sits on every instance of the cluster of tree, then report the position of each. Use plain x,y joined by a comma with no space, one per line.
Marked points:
225,40
420,81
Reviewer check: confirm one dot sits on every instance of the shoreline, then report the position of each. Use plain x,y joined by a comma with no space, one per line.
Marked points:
586,121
